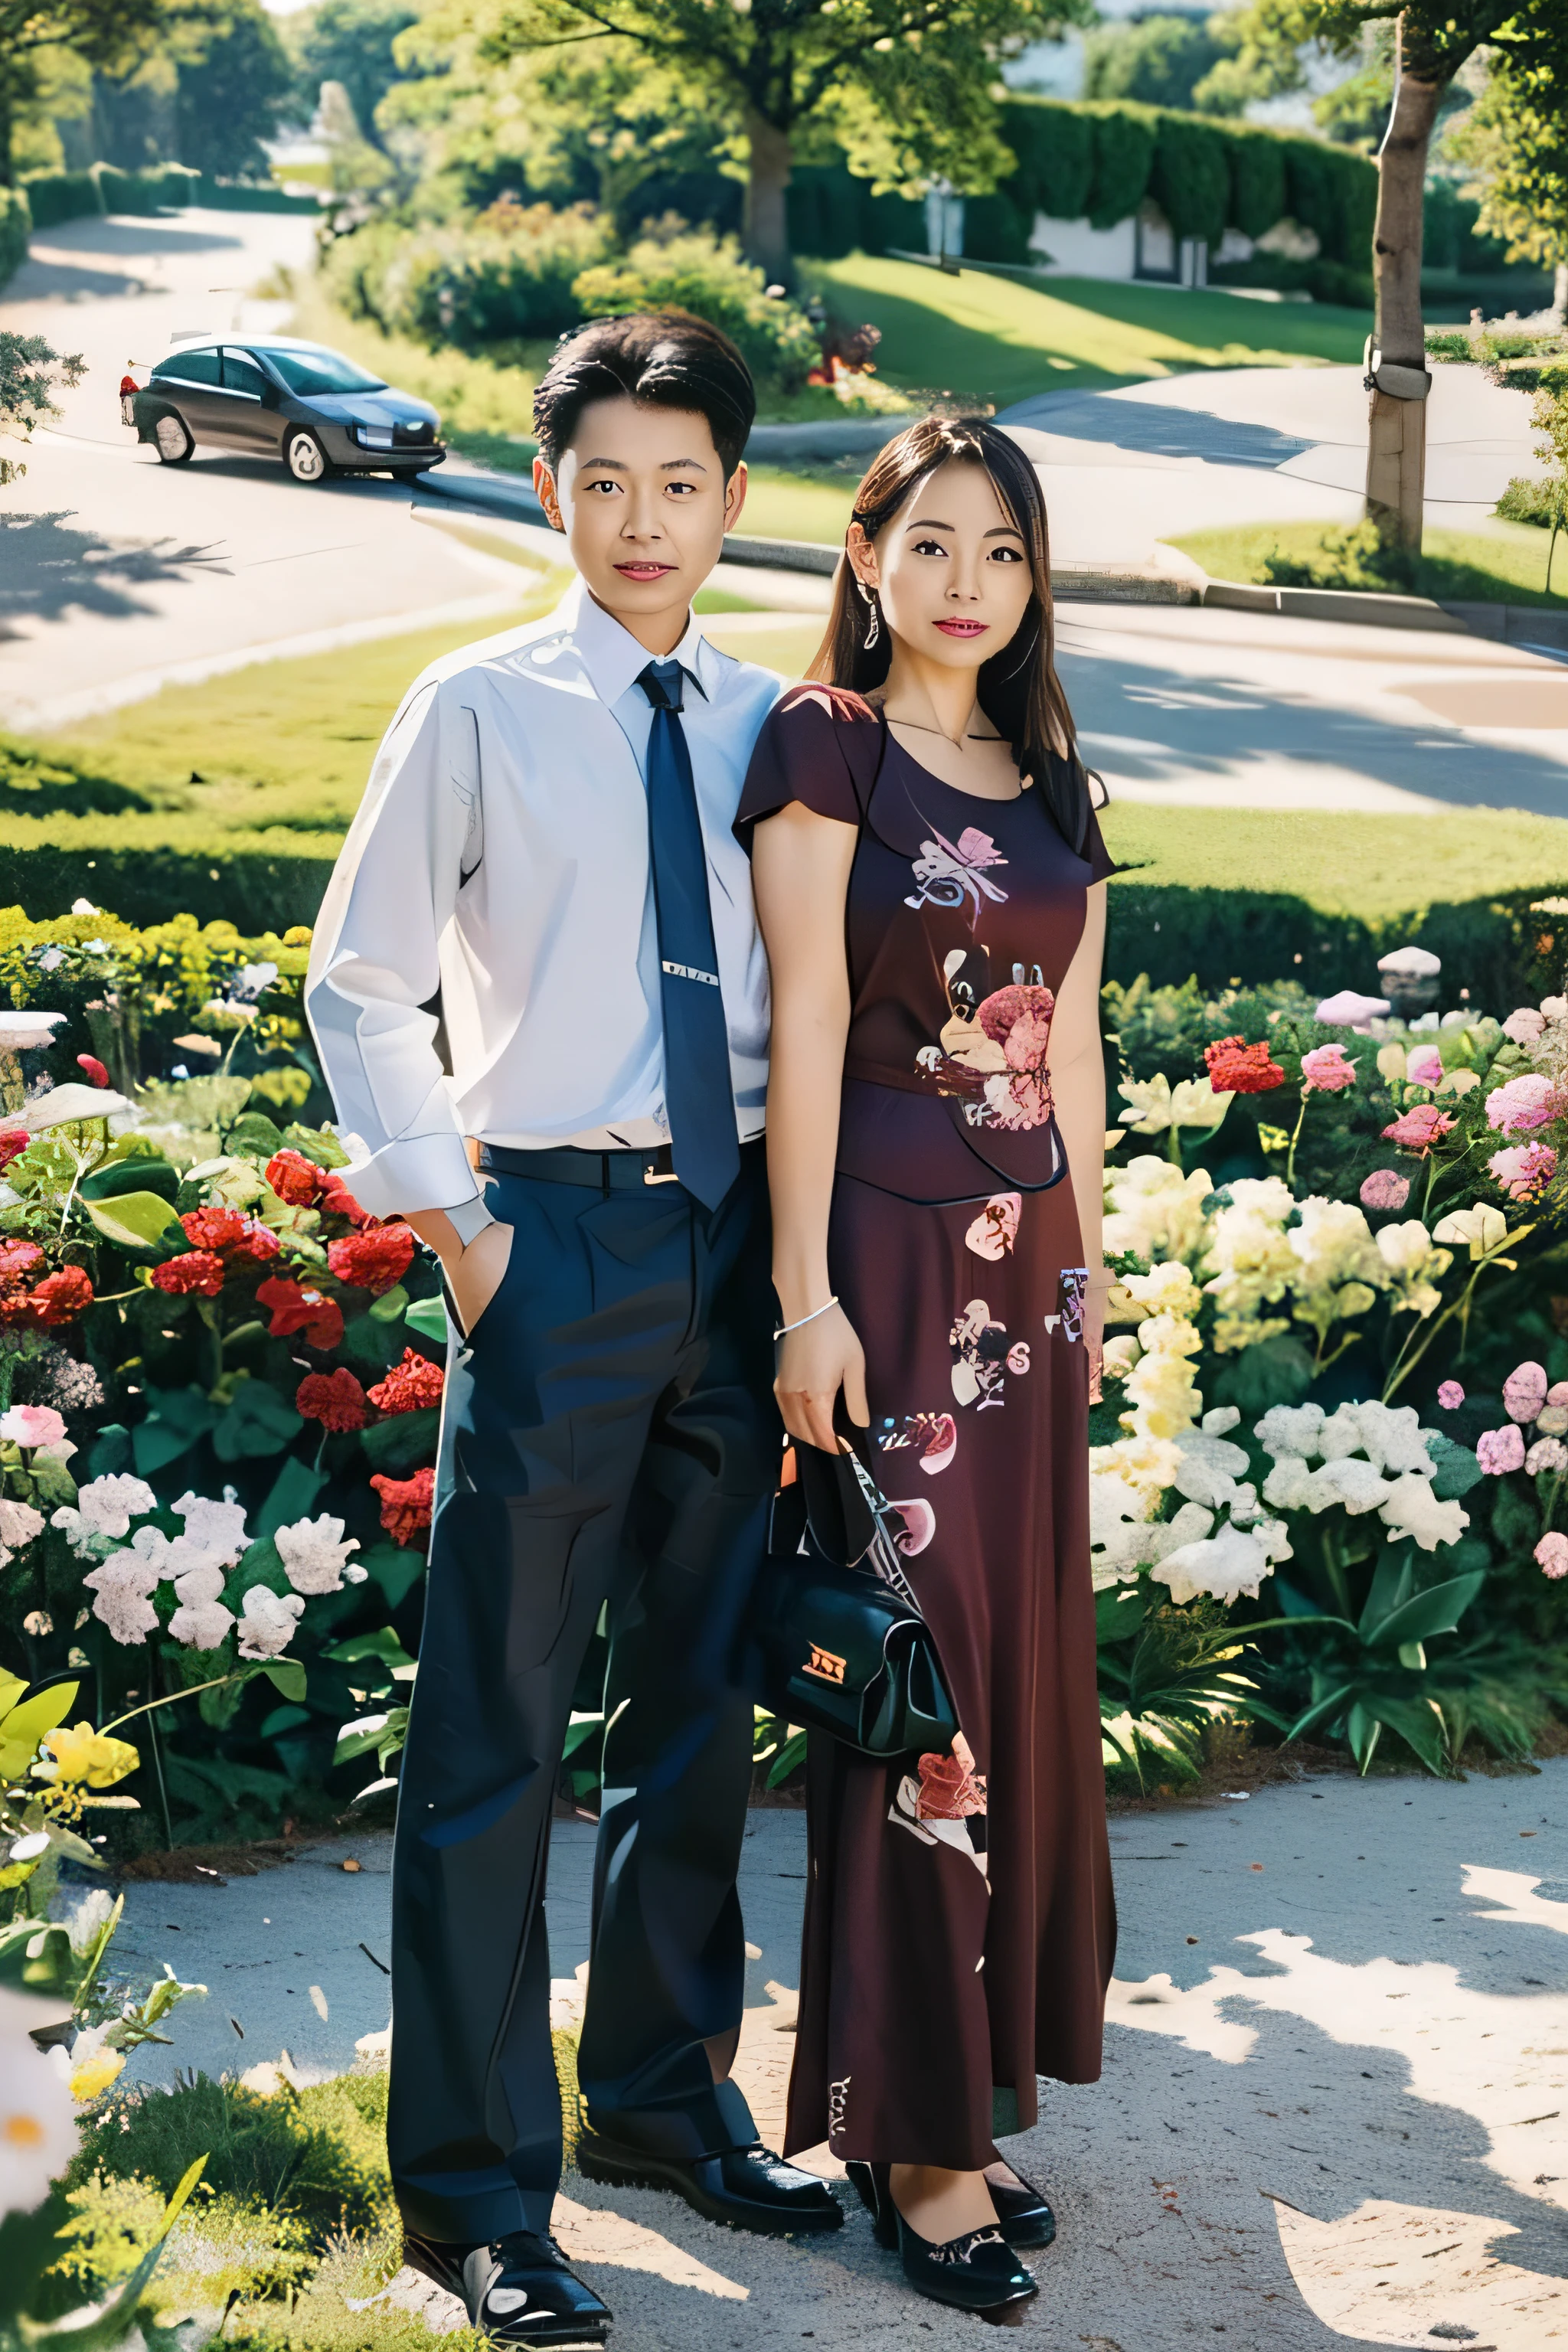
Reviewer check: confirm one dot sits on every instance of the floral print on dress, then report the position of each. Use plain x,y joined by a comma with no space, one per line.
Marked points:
933,1436
946,1804
983,1355
992,1054
996,1229
953,874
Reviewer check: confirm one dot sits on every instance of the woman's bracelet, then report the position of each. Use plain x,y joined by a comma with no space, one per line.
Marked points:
805,1319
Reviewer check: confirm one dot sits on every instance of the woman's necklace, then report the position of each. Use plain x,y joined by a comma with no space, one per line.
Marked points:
953,739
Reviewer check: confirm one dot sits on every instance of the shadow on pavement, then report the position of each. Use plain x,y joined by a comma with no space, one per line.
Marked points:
46,568
1158,430
134,237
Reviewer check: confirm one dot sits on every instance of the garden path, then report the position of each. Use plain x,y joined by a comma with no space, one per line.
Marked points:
1408,2187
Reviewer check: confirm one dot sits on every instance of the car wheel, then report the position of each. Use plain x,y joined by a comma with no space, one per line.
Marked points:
176,446
305,457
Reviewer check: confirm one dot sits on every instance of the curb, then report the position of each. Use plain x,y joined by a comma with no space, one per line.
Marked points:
1331,604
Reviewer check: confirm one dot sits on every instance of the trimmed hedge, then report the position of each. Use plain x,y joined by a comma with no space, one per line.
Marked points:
1190,177
143,865
55,196
15,221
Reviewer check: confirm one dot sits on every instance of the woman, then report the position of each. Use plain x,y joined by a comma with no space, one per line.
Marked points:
928,873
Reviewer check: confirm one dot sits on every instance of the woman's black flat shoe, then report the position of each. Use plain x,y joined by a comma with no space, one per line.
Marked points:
977,2272
1023,2215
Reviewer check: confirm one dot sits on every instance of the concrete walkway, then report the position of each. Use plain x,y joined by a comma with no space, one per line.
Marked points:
1333,2110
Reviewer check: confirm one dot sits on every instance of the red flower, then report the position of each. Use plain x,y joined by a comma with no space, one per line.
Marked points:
373,1261
405,1506
228,1232
61,1296
17,1260
1420,1127
295,1179
11,1143
198,1270
1235,1067
337,1201
415,1381
97,1075
294,1309
334,1398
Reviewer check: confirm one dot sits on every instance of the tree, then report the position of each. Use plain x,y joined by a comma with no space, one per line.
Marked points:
1514,145
1183,61
1433,39
108,34
349,42
235,82
29,374
905,85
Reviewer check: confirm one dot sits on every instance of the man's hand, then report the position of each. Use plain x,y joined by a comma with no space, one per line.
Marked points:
473,1275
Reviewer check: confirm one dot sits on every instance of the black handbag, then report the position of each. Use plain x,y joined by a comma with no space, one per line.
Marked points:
838,1644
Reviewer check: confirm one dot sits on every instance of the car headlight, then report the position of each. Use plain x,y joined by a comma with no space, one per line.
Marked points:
374,436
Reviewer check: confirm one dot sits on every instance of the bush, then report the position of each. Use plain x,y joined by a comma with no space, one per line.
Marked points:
146,864
1189,177
505,274
1124,140
703,275
996,229
56,196
16,220
1054,146
1527,500
1256,161
1334,194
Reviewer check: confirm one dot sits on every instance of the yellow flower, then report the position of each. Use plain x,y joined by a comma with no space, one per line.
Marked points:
93,2071
1155,1104
84,1754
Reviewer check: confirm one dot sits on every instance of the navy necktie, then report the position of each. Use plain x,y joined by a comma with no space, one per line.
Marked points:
697,1089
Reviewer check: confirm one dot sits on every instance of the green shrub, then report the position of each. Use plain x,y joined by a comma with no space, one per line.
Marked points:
1333,193
707,276
15,221
501,276
996,229
1257,159
144,865
56,196
1124,139
1527,500
1054,146
1189,178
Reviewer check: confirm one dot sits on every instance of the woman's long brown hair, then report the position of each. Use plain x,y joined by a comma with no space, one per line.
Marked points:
1017,688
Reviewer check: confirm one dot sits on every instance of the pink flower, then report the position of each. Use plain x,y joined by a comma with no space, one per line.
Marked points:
1525,1025
1385,1187
32,1424
1425,1067
1552,1554
1524,1391
1524,1170
1327,1069
1419,1128
1523,1104
1500,1450
1450,1396
919,1526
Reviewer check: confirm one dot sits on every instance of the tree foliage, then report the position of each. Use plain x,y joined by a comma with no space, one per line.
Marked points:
30,373
108,34
346,41
1513,145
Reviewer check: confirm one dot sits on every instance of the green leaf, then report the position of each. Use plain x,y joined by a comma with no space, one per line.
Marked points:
289,1496
1363,1730
26,1722
1392,1581
1436,1611
404,1443
116,1178
1458,1469
1320,1713
255,1134
316,1144
389,1306
287,1676
176,1419
52,1484
257,1423
428,1317
137,1220
393,1568
1275,1371
281,1719
1419,1725
382,1643
791,1753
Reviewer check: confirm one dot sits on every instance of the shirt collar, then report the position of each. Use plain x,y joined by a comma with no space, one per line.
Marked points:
613,657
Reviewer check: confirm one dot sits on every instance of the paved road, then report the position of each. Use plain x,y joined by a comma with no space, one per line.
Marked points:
1407,2186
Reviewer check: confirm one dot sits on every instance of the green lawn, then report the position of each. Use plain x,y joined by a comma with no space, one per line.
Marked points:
1506,564
988,338
1366,866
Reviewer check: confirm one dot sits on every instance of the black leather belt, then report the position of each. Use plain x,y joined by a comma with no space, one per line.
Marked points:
597,1172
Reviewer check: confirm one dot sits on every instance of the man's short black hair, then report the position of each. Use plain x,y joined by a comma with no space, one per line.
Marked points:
668,358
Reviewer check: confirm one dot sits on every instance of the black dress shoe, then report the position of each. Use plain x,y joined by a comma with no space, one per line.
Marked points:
1023,2215
977,2272
748,2188
517,2291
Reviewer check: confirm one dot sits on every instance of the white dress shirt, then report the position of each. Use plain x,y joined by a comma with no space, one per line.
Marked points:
500,859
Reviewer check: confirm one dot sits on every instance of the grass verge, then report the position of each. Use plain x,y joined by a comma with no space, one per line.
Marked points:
986,337
1505,564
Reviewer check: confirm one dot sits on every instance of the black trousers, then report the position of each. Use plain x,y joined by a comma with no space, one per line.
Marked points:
608,1444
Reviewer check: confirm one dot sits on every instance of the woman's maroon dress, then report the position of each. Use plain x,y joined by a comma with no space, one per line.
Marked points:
960,1923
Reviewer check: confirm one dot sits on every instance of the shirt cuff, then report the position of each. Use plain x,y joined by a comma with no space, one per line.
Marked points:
414,1172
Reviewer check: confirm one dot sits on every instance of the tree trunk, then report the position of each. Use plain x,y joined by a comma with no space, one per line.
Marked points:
1559,293
1396,442
767,222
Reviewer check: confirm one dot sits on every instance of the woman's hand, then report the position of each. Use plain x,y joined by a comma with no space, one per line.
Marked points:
814,1364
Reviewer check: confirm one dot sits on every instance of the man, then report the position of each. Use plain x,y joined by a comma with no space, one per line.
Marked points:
543,870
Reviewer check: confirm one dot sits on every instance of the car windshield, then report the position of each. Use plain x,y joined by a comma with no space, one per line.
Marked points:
308,369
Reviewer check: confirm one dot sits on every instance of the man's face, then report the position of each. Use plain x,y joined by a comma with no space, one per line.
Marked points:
641,496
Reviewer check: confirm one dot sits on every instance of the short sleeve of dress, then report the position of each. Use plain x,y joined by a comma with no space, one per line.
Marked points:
820,746
1101,864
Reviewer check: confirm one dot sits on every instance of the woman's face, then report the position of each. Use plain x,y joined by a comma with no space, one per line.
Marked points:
951,570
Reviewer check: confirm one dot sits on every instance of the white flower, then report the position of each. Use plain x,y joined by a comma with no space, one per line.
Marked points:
215,1528
1223,1566
1414,1265
1209,1467
63,1103
1290,1429
1288,1486
1479,1229
202,1625
1350,1010
1359,1486
107,1506
1333,1244
38,2129
1155,1104
123,1583
1546,1454
1152,1210
19,1523
1409,1507
266,1625
1120,1353
1390,1435
84,1919
314,1554
1222,1419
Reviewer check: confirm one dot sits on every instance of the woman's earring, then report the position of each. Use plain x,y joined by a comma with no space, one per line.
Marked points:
874,625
